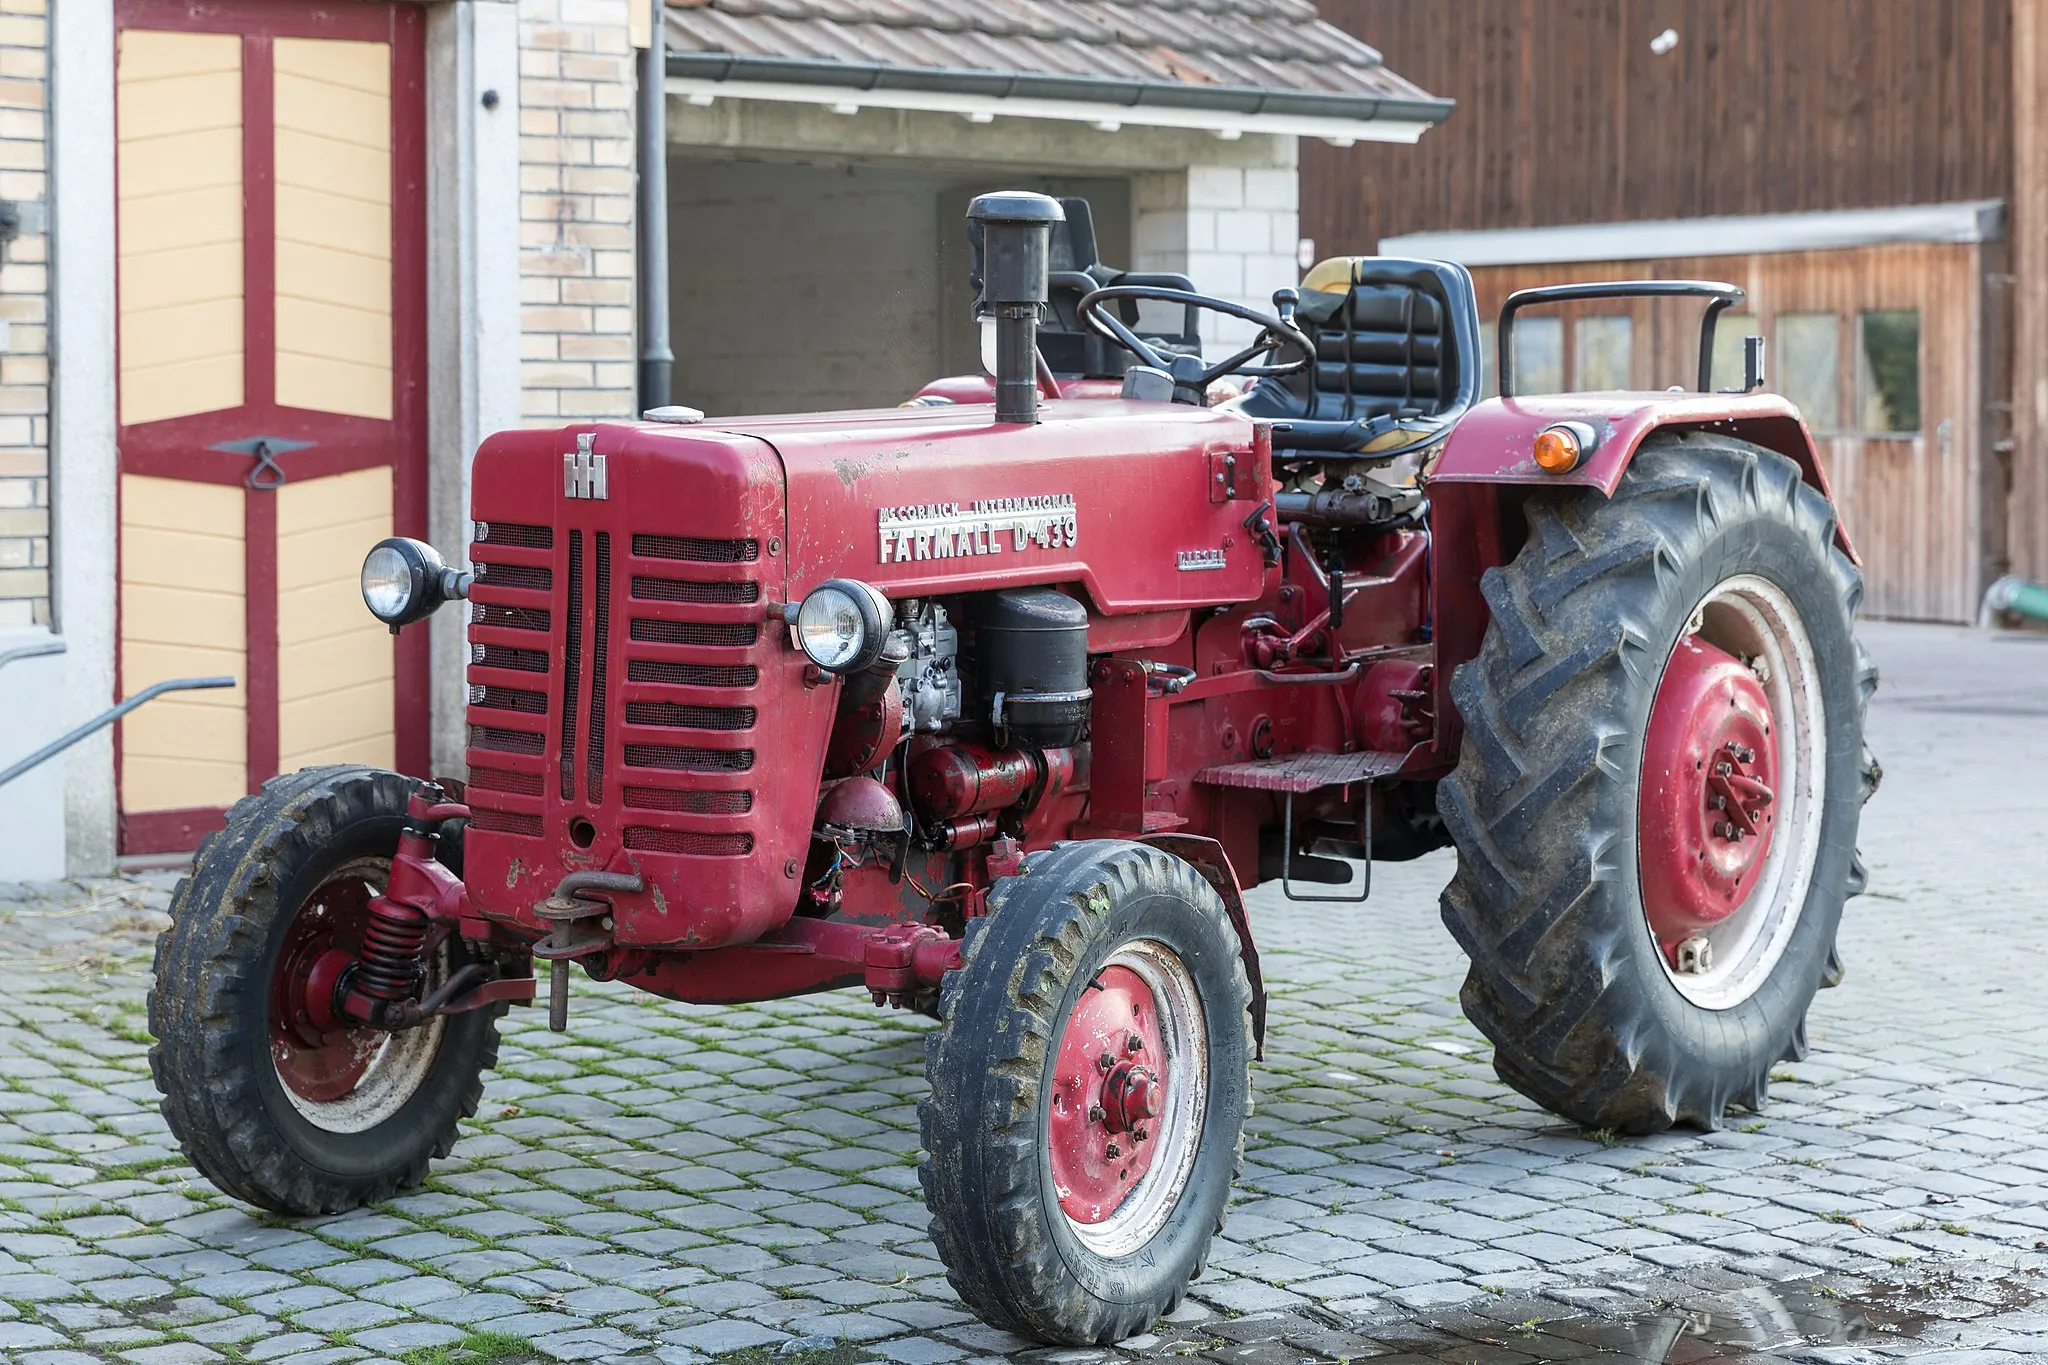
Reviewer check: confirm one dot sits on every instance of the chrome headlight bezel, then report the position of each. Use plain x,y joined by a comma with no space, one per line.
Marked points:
401,564
842,625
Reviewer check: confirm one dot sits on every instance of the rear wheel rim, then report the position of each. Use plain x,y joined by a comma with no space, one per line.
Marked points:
1738,720
1107,1092
342,1079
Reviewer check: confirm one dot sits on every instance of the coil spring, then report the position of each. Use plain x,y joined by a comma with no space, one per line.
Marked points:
393,943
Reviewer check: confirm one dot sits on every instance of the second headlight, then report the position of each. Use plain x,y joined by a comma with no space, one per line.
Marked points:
842,625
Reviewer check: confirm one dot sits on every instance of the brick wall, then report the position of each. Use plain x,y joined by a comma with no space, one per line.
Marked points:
1231,229
24,305
576,210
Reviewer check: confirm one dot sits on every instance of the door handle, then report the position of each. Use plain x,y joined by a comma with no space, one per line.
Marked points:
268,473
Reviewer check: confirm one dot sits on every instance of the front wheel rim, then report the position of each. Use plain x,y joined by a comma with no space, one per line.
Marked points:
1731,792
342,1079
1129,1097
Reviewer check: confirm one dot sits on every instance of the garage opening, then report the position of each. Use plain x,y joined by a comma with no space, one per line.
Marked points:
802,287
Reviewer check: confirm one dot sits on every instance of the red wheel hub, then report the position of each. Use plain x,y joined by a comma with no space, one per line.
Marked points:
318,1054
1109,1088
1710,775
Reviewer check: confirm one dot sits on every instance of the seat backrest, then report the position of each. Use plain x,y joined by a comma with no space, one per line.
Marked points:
1394,338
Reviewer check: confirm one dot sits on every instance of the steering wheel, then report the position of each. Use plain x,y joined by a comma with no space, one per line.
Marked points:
1275,333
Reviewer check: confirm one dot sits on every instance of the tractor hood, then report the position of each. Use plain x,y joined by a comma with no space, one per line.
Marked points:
1141,504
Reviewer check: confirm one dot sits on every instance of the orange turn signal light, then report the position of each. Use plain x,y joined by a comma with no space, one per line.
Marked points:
1557,450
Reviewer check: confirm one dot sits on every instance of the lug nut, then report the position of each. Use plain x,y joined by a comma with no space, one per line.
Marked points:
1105,1061
1113,1153
1137,1044
1140,1134
1095,1113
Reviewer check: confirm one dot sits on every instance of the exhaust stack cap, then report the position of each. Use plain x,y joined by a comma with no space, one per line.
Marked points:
1016,237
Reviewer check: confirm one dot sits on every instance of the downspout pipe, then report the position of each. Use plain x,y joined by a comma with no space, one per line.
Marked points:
2014,594
650,215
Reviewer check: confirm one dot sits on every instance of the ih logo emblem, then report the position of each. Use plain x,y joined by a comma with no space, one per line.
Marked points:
583,472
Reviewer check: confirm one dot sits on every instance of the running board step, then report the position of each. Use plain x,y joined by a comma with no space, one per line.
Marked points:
1299,773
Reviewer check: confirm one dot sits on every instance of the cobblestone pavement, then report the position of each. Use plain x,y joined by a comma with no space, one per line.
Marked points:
667,1182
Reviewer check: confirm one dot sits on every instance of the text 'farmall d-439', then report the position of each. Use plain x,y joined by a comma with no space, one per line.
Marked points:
996,710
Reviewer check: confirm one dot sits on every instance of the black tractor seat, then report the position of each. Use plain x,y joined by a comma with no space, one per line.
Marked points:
1397,361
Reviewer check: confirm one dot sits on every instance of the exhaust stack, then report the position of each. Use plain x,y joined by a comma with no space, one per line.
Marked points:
1015,228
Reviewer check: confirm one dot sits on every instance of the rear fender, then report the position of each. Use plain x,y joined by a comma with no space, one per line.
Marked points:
1207,857
1488,469
1494,443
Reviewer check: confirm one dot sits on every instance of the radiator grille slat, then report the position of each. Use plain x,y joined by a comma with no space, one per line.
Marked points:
516,577
644,838
696,549
503,741
689,802
518,536
538,619
677,716
600,667
692,675
509,699
504,780
505,656
572,664
505,822
679,758
727,634
651,589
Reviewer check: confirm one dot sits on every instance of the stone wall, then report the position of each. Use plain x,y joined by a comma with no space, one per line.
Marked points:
24,307
576,86
1232,229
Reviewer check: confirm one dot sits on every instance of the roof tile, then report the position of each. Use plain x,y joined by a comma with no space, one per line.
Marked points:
1274,45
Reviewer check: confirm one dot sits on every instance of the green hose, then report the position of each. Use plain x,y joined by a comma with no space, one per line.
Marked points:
2017,595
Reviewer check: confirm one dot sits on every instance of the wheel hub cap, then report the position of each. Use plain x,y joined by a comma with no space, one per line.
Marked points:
317,1055
1706,813
1109,1085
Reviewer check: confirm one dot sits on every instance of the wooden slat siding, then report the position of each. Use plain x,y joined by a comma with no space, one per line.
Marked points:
182,611
334,665
2027,509
178,102
1565,115
1915,511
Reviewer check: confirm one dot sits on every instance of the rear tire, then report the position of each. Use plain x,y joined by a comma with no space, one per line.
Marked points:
1055,1219
300,1126
1596,1010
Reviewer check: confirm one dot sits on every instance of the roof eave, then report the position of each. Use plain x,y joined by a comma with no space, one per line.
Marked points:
1094,99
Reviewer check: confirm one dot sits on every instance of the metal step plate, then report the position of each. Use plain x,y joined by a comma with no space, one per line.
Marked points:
1302,772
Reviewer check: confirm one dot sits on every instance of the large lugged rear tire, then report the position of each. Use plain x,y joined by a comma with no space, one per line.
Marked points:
286,1121
1600,868
1089,1086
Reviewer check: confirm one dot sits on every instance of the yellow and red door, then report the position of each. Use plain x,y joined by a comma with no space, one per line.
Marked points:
271,284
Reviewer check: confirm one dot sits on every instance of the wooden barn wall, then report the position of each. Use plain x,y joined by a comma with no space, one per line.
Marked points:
2027,459
1918,506
1765,106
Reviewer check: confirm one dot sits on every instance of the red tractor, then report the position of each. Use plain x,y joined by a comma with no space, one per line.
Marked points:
996,711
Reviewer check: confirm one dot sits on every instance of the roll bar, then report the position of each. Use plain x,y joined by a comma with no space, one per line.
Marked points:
1720,296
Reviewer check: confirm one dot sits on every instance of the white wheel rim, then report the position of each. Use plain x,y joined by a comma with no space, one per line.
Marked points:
1752,617
1178,1010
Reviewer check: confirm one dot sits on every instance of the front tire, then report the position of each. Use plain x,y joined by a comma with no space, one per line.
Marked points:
1657,801
1089,1086
274,1113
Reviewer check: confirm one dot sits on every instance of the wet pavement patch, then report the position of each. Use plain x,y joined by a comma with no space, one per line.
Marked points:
1959,1316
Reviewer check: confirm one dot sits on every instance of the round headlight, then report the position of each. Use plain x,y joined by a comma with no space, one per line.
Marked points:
406,579
843,625
390,583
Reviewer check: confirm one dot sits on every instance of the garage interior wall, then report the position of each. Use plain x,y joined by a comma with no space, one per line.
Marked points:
803,287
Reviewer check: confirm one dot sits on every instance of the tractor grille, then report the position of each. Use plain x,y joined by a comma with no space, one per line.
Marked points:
622,668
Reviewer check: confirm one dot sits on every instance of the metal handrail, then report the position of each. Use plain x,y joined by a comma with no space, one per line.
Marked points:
106,717
8,656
